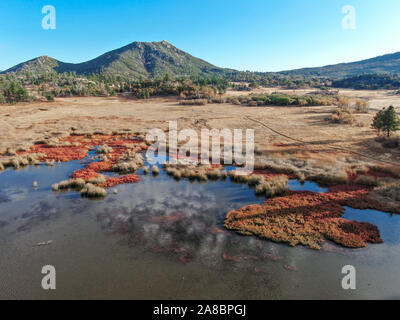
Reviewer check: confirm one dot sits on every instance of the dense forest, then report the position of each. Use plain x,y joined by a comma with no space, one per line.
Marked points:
16,87
369,82
24,86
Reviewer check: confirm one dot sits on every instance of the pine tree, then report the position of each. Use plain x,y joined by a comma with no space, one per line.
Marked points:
386,120
377,122
391,121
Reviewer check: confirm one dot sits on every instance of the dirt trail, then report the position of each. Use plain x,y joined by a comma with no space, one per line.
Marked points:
305,143
25,124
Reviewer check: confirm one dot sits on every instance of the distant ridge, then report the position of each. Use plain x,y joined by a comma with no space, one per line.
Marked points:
386,64
153,59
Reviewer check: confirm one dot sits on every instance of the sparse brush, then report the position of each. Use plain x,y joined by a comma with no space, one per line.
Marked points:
177,175
337,177
242,178
233,100
300,176
218,100
71,183
174,172
24,162
252,104
194,102
33,158
10,152
18,162
15,163
282,168
170,170
276,186
23,147
224,174
343,116
255,180
260,189
78,183
50,163
390,191
214,174
360,169
343,102
260,165
100,179
200,172
130,161
190,174
392,170
391,142
126,167
64,184
366,181
104,149
155,170
237,176
92,191
361,106
201,177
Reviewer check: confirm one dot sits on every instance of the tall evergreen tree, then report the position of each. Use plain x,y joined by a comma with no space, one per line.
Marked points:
386,120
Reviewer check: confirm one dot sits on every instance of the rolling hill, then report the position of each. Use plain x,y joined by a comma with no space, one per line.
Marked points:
152,59
138,59
386,64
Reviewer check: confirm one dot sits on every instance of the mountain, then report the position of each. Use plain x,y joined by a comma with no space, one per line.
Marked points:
138,59
152,59
386,64
38,65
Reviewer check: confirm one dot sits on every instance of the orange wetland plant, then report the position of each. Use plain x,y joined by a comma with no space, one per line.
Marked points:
116,153
308,218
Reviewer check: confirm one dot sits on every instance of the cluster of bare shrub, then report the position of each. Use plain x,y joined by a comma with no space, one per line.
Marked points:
18,161
274,99
129,162
344,114
199,172
324,171
87,189
194,102
271,187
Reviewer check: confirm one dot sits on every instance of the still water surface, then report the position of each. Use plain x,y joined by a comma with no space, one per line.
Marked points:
163,239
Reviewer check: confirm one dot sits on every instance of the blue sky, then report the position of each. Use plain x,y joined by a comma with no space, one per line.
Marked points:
257,35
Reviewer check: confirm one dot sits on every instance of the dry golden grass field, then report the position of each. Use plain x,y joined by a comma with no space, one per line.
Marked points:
278,130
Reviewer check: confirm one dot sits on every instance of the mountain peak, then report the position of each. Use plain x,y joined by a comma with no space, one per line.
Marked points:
157,58
137,59
39,65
